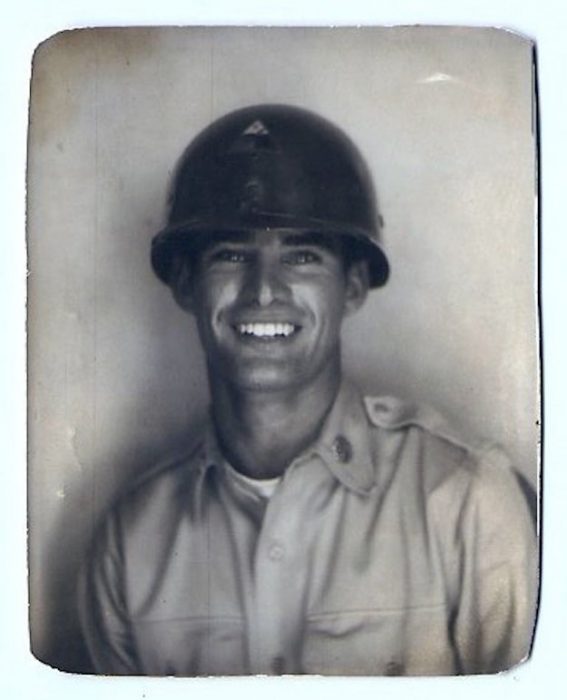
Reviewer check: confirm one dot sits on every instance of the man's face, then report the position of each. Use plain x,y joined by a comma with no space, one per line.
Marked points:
269,307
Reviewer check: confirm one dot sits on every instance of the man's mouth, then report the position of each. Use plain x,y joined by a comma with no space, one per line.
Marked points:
266,330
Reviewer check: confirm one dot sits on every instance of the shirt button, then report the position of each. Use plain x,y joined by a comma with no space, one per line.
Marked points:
278,665
276,552
342,449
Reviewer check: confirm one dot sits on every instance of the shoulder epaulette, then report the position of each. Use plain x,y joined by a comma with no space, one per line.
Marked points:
393,413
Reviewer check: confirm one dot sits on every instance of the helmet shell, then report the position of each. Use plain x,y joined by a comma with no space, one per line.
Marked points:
272,167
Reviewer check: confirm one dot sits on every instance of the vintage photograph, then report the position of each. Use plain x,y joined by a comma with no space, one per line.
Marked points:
283,370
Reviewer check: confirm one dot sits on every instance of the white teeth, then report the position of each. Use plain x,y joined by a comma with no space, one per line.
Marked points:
266,330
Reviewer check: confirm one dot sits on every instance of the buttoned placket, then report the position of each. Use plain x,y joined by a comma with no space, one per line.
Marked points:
280,580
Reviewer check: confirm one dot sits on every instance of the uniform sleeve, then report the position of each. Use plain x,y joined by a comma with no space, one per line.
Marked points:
102,605
495,618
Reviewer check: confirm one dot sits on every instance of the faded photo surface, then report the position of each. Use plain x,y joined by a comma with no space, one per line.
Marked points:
283,351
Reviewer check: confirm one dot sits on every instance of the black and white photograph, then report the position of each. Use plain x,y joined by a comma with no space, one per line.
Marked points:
283,351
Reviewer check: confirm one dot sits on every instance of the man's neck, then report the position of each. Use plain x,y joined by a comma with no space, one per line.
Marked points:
261,432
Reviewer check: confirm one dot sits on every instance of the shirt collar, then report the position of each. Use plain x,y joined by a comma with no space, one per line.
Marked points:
344,443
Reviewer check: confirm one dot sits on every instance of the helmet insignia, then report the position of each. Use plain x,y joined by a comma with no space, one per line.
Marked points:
257,128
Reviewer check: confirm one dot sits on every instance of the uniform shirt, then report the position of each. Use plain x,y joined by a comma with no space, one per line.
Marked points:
388,547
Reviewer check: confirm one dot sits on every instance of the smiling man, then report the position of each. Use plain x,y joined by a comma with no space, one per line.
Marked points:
310,528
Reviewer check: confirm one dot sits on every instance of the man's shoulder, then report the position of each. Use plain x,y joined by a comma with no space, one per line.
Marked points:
168,482
395,414
178,464
440,451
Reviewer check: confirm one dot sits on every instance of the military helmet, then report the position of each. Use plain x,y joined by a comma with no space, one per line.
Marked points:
272,167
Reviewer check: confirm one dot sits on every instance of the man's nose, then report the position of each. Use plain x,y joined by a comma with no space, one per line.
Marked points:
266,282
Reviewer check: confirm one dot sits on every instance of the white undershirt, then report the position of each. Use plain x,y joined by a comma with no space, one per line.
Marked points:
260,487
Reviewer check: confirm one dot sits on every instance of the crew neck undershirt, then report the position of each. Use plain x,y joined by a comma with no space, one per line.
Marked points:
259,487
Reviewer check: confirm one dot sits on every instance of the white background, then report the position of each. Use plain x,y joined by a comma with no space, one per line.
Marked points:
22,676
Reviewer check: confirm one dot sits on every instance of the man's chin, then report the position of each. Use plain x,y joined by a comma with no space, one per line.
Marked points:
264,378
264,384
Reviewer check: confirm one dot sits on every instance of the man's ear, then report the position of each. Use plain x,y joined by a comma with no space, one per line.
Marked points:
357,284
181,281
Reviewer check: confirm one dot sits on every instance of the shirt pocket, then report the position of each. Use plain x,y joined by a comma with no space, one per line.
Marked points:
379,642
193,646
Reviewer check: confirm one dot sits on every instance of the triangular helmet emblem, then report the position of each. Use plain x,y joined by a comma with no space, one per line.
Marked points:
255,129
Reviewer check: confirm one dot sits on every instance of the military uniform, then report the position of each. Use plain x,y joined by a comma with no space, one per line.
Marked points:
388,547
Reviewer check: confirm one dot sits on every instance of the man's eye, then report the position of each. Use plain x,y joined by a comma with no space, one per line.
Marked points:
302,257
230,256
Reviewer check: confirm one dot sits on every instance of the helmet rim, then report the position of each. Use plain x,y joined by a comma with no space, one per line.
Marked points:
183,237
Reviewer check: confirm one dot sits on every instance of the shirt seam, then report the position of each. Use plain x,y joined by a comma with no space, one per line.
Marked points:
190,618
375,611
